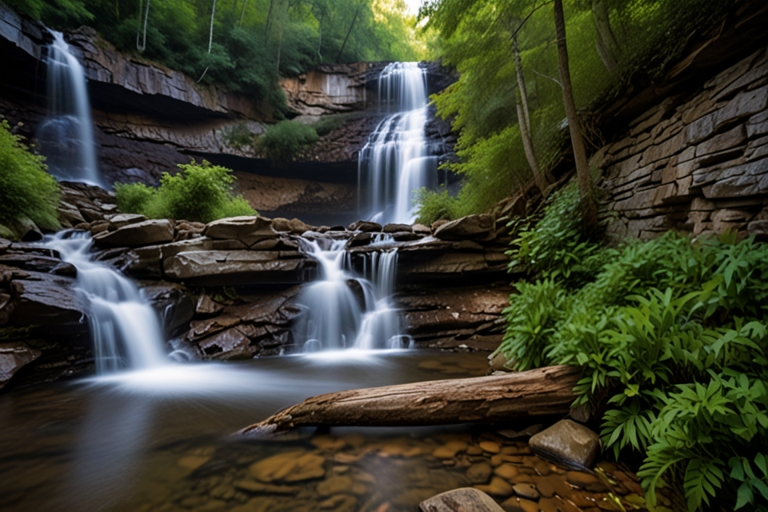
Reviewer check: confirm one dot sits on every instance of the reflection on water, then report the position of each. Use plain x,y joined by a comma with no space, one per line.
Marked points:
113,442
159,441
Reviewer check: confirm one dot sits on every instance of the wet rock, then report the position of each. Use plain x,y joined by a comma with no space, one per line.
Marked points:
206,306
261,488
421,229
449,450
397,228
248,230
439,223
148,232
519,505
497,487
225,268
13,357
227,345
458,500
334,485
569,442
479,473
44,299
362,238
39,263
474,227
173,304
193,462
490,447
202,328
364,225
340,503
69,215
507,471
293,466
526,491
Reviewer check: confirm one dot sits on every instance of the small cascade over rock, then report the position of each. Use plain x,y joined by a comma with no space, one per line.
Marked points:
125,330
395,162
343,310
66,138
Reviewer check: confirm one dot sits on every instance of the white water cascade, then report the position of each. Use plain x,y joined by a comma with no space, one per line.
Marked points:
66,138
395,162
125,330
344,311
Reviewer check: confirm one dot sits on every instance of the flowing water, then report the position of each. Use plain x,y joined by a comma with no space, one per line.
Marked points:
66,137
395,162
343,310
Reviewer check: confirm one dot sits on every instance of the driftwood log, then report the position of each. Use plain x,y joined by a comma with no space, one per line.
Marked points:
540,392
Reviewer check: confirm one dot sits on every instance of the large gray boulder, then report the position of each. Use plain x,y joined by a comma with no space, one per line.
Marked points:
248,230
569,442
472,227
148,232
461,500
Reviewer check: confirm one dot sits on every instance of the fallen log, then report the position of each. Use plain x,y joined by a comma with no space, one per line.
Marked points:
495,398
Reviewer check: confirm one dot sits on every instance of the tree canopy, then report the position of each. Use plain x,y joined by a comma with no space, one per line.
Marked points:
244,45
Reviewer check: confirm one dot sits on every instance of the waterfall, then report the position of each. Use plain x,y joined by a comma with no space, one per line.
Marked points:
394,162
346,311
66,138
125,330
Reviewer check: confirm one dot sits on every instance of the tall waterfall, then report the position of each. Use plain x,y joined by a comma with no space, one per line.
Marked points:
124,327
346,311
66,138
395,162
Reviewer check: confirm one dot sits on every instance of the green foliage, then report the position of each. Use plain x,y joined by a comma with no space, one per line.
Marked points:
254,41
26,189
556,247
199,192
327,124
283,141
673,338
475,36
434,205
237,136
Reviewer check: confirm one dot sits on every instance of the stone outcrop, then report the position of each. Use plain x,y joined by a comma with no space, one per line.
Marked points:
465,498
695,162
569,443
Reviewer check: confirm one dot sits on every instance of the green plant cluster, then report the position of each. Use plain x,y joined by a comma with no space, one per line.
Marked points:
26,189
283,141
253,41
434,205
199,192
673,339
476,36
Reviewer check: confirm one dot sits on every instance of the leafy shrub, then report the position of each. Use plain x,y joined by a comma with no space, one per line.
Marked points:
200,192
434,205
282,142
25,188
555,245
672,337
237,136
327,124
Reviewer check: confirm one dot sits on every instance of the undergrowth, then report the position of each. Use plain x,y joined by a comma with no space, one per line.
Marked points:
672,337
283,141
26,189
199,192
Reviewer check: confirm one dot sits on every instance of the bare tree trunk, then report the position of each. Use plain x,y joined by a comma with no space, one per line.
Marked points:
320,37
540,392
607,46
242,13
282,31
523,115
357,12
143,45
210,36
589,209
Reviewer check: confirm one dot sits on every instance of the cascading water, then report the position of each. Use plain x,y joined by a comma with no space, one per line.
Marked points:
394,162
66,139
124,327
345,311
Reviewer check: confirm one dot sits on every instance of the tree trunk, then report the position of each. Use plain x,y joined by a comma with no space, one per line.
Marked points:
282,32
242,13
523,115
357,12
607,45
540,392
320,38
210,36
143,45
589,209
268,25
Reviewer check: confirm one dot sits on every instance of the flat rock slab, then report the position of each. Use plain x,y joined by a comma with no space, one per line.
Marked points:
149,232
246,229
13,357
568,442
226,268
466,499
475,227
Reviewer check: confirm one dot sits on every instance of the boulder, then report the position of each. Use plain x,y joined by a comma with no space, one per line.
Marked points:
173,303
230,344
567,442
27,230
13,357
248,230
397,228
460,500
69,215
364,225
474,227
421,229
38,263
44,299
148,232
125,219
